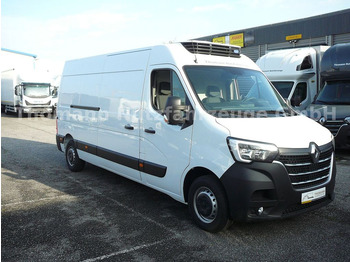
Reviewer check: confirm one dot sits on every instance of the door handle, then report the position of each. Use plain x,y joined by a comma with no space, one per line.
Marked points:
129,127
150,131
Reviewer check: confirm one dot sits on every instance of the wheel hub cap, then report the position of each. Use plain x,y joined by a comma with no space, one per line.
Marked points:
205,205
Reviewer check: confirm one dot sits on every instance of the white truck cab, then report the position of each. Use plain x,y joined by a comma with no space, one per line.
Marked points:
295,73
199,122
28,91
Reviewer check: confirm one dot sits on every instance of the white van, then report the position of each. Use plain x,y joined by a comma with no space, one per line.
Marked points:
201,123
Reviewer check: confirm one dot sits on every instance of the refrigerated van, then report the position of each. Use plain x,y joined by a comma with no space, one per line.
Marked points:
201,123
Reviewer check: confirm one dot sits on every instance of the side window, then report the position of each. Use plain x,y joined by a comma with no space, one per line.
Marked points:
300,94
165,83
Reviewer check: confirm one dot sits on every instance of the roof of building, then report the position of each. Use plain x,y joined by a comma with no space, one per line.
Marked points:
18,52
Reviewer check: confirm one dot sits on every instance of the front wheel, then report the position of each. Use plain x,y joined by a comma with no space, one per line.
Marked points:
208,205
74,163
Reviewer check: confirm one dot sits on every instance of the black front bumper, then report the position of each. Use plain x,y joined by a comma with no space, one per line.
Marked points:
254,185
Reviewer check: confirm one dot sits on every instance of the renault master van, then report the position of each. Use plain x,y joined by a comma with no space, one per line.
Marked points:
201,123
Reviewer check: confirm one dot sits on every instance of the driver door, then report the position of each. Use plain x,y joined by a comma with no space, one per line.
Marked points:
164,148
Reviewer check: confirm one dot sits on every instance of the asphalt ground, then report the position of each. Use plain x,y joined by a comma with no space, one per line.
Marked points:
51,214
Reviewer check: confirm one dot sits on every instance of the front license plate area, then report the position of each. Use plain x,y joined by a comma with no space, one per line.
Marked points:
313,195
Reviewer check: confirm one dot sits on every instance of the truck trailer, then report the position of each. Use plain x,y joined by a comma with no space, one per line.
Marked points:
331,107
295,73
27,92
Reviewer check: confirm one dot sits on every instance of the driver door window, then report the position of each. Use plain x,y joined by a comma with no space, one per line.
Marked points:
300,94
165,83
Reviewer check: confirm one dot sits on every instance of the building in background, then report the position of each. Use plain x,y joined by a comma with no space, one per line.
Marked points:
328,29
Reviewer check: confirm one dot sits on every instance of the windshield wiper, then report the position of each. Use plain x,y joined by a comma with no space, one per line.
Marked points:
284,112
274,111
223,113
247,113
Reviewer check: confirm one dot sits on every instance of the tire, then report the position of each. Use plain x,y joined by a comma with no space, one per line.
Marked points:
20,113
74,163
208,204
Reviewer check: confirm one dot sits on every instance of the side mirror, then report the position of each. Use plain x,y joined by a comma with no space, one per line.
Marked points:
296,101
18,90
174,111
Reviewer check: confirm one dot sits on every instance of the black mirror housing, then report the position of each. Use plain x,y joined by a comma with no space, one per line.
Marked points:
174,111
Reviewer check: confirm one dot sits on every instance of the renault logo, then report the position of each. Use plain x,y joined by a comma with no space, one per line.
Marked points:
314,152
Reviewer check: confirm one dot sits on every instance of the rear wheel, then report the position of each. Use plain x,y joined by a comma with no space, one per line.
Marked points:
208,205
74,163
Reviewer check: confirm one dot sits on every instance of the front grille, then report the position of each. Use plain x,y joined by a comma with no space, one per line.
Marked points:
334,125
31,104
305,174
212,49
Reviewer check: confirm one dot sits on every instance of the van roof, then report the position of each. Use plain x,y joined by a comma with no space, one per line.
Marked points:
181,53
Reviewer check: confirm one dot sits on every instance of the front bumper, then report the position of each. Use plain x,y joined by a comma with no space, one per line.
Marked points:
59,141
37,110
268,185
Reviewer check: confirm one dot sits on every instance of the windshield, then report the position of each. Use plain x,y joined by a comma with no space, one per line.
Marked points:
36,90
335,93
235,92
283,88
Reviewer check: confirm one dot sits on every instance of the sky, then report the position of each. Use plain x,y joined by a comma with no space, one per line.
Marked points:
60,30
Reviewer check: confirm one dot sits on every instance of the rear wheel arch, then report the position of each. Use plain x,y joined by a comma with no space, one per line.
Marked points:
73,160
66,140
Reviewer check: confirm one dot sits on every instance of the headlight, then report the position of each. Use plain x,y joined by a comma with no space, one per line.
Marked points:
347,120
248,151
322,120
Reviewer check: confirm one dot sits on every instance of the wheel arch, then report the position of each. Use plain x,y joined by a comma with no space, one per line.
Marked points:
192,175
68,137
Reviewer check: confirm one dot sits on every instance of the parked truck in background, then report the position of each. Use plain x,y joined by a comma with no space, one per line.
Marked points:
331,107
27,92
295,73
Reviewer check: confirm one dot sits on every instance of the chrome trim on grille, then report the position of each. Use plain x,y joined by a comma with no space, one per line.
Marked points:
310,181
303,173
311,172
308,163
